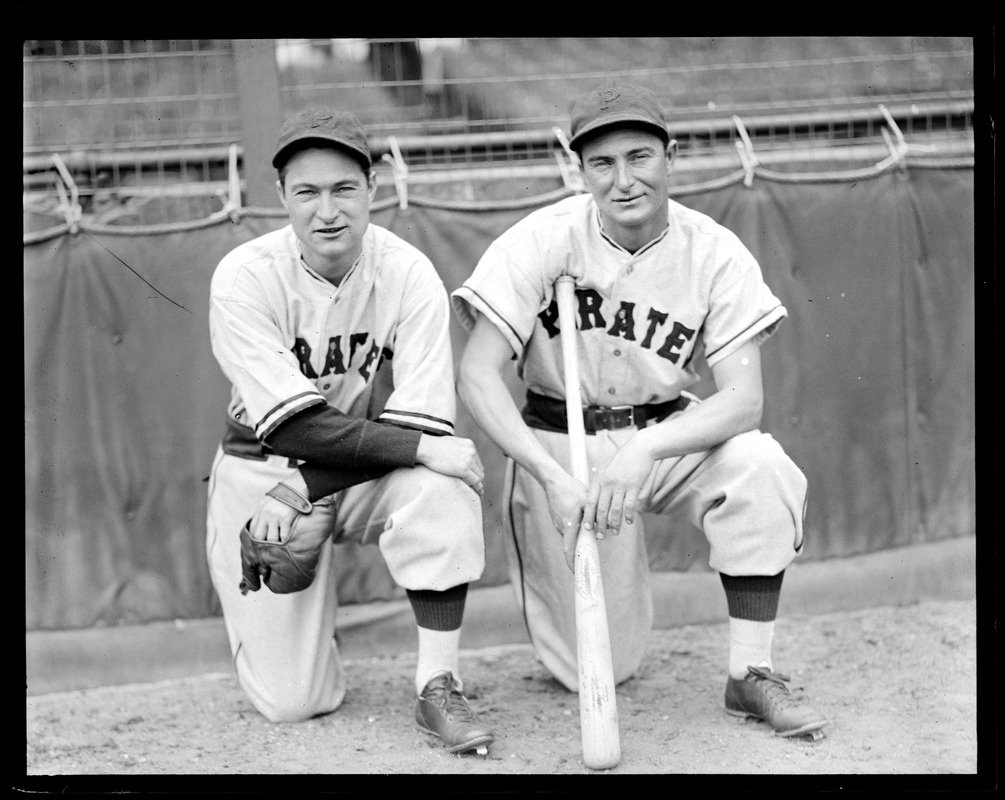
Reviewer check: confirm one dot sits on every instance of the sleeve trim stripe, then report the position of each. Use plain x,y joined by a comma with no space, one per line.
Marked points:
775,314
284,411
413,419
495,311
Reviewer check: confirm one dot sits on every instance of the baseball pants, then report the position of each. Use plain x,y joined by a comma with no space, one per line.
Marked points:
429,531
746,496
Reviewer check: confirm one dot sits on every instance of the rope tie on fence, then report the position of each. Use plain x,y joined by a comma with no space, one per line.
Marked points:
746,150
898,145
232,206
69,206
898,149
399,171
568,167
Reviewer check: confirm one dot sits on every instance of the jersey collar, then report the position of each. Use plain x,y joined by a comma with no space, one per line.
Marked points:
314,273
646,246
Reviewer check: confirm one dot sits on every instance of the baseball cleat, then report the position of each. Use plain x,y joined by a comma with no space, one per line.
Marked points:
444,712
763,695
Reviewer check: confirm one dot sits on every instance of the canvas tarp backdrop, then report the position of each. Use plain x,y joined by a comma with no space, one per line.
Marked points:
869,386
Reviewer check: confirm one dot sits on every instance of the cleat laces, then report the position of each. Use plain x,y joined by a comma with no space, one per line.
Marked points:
450,701
775,689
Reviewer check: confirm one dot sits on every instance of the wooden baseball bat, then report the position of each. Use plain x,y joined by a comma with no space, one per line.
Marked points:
598,709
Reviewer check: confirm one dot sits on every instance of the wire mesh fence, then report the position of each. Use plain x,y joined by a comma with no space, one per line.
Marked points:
134,119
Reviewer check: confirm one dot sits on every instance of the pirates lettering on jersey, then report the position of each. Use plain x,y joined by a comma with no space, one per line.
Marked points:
624,324
335,364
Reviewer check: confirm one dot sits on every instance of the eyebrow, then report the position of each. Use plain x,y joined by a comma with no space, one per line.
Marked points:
306,184
645,148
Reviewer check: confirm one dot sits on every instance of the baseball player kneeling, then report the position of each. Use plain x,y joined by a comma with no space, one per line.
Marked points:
657,283
302,322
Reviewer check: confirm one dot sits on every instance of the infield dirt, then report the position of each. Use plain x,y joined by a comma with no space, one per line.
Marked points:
899,685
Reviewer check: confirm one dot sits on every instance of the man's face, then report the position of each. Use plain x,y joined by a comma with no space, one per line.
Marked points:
327,195
628,173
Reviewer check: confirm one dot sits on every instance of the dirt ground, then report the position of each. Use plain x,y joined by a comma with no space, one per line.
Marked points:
898,683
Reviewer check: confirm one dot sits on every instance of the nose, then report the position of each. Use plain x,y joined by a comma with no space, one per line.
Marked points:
623,177
328,207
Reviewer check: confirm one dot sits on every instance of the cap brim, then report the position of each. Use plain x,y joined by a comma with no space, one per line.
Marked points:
618,121
283,153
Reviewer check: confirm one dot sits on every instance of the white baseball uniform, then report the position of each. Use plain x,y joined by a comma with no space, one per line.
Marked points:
643,318
289,340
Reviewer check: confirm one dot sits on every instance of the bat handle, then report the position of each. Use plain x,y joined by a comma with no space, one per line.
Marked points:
565,297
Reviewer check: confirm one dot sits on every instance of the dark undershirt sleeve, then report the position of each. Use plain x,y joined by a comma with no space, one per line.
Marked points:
341,451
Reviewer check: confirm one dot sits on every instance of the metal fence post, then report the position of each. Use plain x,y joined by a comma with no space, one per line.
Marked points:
258,105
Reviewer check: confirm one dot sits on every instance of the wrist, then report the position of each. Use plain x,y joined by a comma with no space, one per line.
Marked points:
643,444
552,476
295,480
422,449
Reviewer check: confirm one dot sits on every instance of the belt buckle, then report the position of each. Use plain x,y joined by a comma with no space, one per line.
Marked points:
618,409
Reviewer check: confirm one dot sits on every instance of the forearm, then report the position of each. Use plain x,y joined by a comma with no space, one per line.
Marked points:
488,399
341,451
719,417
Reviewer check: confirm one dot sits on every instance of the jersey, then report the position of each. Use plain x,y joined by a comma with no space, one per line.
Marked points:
288,339
643,317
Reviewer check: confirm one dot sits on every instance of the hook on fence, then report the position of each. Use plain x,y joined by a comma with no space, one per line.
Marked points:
399,171
745,149
568,167
69,206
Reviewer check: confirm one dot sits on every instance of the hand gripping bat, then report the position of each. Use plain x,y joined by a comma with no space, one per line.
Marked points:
598,710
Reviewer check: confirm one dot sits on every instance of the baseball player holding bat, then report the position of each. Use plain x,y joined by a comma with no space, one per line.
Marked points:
308,323
656,285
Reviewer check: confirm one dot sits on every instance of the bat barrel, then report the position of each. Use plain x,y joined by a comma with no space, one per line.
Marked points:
598,707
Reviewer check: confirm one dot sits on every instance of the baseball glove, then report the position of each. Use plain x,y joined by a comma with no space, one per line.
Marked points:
288,566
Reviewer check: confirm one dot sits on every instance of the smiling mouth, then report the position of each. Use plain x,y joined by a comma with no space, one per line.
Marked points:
329,231
627,200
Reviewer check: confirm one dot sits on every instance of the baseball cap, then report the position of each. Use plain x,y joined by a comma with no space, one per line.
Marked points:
326,124
616,104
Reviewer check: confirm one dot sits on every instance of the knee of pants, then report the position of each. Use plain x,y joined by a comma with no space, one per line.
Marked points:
758,458
296,697
288,710
434,537
756,506
442,494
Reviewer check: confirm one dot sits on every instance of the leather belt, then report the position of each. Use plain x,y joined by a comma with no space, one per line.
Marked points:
546,413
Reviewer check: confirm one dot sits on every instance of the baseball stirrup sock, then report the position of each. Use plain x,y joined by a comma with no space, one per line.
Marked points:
753,597
438,611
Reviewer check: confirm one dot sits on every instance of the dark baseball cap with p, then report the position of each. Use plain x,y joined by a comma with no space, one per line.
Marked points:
615,105
320,124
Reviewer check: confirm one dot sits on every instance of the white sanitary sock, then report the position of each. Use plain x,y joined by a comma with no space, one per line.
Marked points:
438,652
749,645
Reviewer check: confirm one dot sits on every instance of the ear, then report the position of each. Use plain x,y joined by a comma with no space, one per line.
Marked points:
371,184
282,194
671,154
